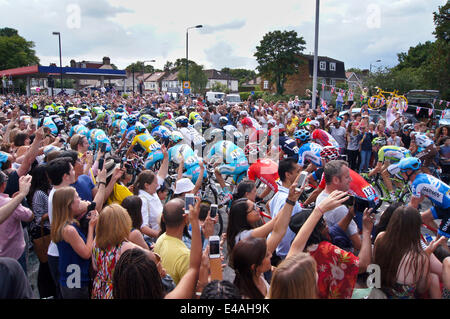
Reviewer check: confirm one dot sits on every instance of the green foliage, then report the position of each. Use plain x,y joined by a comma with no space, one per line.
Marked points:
15,51
278,56
219,87
197,76
139,67
242,75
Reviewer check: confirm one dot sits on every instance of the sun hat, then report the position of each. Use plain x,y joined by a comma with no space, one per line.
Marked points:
183,185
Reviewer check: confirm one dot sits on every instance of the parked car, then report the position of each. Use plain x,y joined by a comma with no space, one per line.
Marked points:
445,120
214,97
233,99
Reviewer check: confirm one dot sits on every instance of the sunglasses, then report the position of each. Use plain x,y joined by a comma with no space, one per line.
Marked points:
254,208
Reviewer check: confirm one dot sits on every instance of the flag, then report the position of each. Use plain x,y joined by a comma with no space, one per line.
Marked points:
323,86
430,111
305,122
440,102
417,110
405,107
332,89
443,114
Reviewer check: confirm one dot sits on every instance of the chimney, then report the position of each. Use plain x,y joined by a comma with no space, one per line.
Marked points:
72,64
106,61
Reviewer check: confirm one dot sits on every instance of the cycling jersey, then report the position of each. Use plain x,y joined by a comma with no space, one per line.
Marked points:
100,137
48,122
145,119
358,186
289,146
234,160
392,153
147,142
121,125
423,141
169,124
324,138
192,137
79,129
131,131
194,117
266,171
183,152
438,193
310,152
161,131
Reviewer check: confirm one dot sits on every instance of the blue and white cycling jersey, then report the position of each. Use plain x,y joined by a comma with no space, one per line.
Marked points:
121,125
230,152
100,137
161,131
131,132
311,152
48,122
183,152
436,190
79,129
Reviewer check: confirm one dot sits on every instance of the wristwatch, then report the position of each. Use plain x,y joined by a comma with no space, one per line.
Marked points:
288,201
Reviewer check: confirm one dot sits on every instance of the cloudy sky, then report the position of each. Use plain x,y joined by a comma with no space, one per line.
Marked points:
354,31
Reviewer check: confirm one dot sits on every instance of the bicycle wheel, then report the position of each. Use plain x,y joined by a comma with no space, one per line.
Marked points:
381,190
405,195
375,102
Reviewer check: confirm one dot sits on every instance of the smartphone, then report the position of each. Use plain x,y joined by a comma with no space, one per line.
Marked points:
213,211
103,148
350,201
214,247
302,179
189,200
100,163
91,206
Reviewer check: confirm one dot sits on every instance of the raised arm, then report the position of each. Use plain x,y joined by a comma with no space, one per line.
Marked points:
10,207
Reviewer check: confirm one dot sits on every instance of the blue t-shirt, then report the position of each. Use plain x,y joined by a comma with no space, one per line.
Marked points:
69,260
84,187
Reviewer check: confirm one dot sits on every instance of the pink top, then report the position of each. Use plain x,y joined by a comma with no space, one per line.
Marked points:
12,243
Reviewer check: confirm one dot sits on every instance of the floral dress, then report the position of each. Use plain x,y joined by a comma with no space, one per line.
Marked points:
337,270
105,261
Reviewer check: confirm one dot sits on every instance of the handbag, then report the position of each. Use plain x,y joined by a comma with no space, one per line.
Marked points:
41,244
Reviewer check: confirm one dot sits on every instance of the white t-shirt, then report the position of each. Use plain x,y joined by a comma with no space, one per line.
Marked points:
334,216
52,248
151,208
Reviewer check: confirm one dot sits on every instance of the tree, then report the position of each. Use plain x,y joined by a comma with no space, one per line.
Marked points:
138,66
15,51
278,56
242,75
168,66
197,75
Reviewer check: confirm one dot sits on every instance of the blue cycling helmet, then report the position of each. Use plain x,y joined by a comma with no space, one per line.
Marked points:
182,120
176,137
154,122
302,135
139,128
131,120
409,163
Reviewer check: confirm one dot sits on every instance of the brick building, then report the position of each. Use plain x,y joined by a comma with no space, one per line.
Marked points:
330,72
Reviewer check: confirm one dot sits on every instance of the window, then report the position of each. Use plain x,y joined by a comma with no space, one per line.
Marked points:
323,65
332,82
266,85
332,66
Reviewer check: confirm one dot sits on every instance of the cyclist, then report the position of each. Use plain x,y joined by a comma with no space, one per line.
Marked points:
48,122
256,132
79,129
308,151
190,135
182,153
118,125
130,133
99,136
230,132
231,158
159,131
426,151
323,138
388,158
427,186
147,143
266,171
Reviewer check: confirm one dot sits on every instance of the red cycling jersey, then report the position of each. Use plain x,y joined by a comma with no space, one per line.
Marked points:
358,186
323,138
266,170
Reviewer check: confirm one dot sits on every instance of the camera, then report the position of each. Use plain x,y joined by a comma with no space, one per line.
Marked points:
91,206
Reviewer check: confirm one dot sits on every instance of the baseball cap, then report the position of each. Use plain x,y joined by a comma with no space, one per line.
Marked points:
183,185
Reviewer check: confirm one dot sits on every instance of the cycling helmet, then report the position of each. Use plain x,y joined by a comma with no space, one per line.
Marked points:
210,136
407,163
251,148
139,128
302,135
421,139
50,148
223,120
131,120
379,141
408,127
176,137
154,122
247,121
91,124
182,120
161,115
74,121
119,110
329,153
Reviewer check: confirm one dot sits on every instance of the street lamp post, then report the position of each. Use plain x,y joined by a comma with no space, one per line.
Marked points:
316,46
187,42
370,70
60,59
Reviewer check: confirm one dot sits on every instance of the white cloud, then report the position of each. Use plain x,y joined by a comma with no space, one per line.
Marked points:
132,30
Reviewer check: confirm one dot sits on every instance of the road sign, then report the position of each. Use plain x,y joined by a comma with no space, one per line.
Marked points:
186,84
187,91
